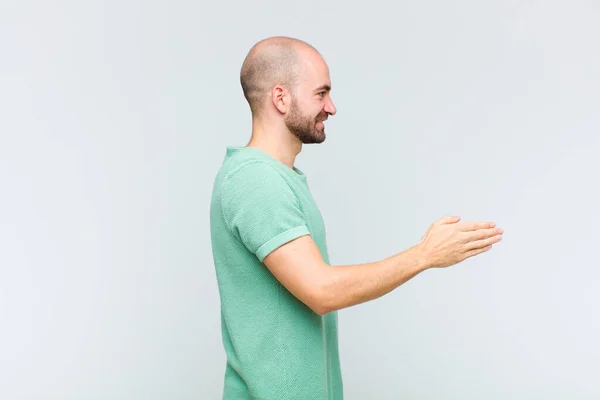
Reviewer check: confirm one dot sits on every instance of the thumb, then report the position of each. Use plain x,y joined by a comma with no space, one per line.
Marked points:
451,219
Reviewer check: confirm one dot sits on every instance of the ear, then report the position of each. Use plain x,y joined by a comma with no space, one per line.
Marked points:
281,98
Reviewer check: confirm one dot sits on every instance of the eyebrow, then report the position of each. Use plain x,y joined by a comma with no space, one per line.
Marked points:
323,87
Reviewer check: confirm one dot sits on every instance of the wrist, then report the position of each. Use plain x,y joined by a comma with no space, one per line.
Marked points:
421,257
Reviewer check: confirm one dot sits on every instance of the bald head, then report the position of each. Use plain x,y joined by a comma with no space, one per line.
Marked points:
270,62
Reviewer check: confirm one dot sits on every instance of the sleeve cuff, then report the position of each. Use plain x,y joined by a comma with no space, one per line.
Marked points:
281,239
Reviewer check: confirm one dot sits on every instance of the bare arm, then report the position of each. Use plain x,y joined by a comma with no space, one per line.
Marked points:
298,265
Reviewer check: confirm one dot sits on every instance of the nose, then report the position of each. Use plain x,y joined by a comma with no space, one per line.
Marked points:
330,107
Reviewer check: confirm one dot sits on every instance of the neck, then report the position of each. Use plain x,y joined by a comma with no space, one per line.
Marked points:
277,141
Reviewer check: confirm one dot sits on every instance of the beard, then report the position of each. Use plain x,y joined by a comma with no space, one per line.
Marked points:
305,127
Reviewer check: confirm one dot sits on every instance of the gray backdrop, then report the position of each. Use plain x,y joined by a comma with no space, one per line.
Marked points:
114,117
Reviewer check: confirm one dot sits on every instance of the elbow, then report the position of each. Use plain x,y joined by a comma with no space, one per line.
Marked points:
321,309
323,300
318,292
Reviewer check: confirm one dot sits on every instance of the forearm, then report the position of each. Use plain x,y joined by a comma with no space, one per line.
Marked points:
348,285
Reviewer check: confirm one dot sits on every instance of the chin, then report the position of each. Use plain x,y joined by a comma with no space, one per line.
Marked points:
318,138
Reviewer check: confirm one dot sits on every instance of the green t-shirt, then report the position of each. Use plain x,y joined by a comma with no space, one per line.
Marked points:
277,348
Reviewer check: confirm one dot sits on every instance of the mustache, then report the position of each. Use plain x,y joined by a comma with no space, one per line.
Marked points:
322,117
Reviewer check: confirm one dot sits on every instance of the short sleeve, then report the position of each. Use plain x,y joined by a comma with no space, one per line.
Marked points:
260,208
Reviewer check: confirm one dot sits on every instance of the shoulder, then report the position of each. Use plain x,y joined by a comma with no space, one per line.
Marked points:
252,171
256,181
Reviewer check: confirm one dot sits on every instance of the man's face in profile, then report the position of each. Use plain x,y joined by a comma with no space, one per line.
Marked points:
311,102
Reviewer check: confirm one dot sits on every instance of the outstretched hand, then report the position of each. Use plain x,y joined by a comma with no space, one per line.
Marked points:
448,241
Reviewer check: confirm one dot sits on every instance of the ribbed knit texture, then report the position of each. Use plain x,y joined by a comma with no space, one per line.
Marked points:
277,348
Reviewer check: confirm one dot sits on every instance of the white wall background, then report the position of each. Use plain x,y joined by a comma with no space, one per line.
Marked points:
114,117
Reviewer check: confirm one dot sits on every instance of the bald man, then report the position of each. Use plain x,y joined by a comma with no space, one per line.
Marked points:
279,293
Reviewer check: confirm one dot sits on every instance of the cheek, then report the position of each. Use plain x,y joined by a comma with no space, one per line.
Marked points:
311,108
322,109
318,108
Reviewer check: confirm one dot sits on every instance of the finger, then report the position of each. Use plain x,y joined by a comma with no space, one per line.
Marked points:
478,244
483,234
478,251
473,226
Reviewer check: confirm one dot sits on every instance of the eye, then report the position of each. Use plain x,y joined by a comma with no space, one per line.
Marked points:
321,94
